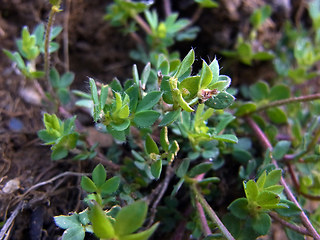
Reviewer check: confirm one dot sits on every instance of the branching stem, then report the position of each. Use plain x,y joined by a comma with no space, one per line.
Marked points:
213,216
289,100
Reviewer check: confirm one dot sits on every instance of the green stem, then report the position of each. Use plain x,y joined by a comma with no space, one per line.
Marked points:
289,100
211,213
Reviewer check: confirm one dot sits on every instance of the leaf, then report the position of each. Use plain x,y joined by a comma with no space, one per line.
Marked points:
226,138
58,153
239,208
251,190
186,64
121,126
116,85
267,199
292,210
99,175
47,137
54,78
156,168
189,87
261,223
279,92
130,218
66,79
101,224
222,84
63,95
151,99
207,3
145,75
65,222
277,115
221,101
87,184
246,109
74,233
169,118
183,168
206,76
144,235
146,118
133,93
259,91
261,180
151,146
110,186
273,178
281,149
199,169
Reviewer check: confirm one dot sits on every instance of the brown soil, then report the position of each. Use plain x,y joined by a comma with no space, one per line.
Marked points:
97,50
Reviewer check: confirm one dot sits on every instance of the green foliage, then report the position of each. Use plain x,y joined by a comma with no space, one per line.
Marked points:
262,196
60,134
30,46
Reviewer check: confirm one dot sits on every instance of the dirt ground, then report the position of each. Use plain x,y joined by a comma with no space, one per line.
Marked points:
97,50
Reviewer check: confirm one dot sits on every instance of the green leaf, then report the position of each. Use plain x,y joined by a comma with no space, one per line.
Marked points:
239,208
169,118
156,168
151,99
277,115
215,69
101,224
267,199
259,91
261,180
251,190
87,184
116,85
206,76
261,223
279,92
207,3
273,178
281,149
144,235
183,168
66,79
99,175
110,186
222,84
135,74
74,233
292,210
186,64
47,137
65,222
199,169
104,95
151,146
146,118
63,95
133,93
130,218
246,109
221,101
54,78
58,153
121,126
277,189
145,75
226,138
189,87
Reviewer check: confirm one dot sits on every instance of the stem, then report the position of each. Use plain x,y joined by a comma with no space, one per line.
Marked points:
53,11
65,36
211,213
289,225
265,142
289,100
142,24
167,7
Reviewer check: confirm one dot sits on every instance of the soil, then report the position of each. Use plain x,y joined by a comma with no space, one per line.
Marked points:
96,50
